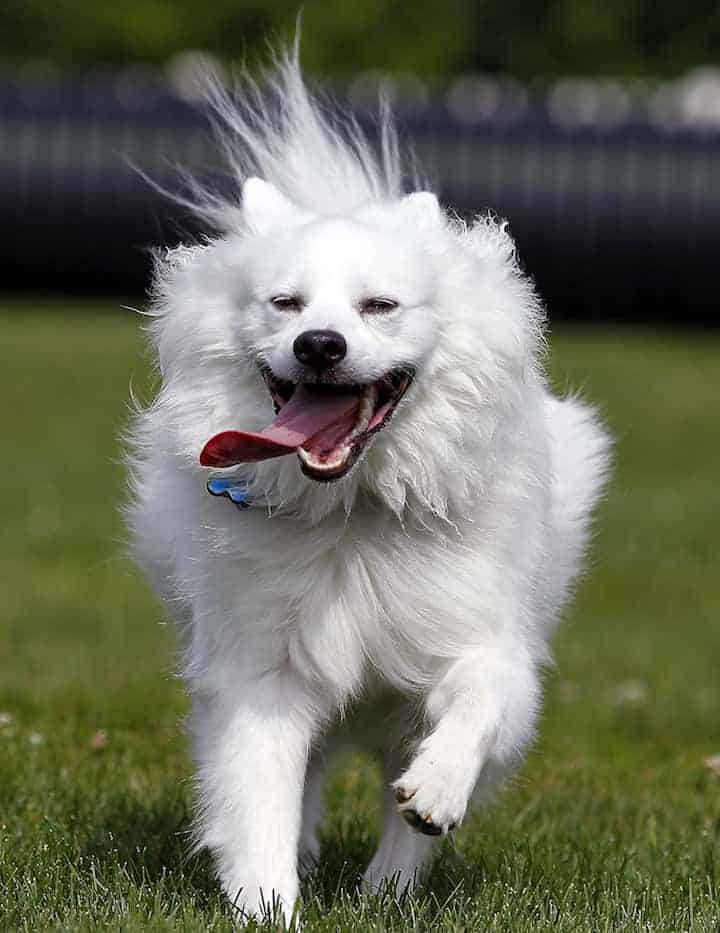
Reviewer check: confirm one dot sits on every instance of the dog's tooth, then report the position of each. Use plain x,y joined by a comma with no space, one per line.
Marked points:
365,409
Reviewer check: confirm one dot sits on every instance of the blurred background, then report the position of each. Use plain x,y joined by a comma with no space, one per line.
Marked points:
593,126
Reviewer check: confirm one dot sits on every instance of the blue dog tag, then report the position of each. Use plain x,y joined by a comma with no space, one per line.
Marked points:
232,488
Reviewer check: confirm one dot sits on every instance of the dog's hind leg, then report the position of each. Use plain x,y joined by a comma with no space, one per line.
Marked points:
313,813
403,854
333,751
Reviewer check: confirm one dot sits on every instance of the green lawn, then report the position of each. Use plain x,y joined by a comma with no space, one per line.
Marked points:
614,823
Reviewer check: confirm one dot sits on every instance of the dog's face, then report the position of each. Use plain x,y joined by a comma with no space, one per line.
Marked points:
400,335
340,307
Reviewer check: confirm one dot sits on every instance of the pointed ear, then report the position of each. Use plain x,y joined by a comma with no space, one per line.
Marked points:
264,207
422,208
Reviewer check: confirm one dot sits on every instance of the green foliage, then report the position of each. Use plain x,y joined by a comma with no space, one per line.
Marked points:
545,38
614,823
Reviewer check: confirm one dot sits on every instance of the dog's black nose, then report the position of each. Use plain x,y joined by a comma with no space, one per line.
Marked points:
320,349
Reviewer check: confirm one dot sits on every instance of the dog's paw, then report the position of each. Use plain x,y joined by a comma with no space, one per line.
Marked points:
430,797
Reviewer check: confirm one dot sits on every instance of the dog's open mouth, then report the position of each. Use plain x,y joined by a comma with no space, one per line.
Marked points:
327,424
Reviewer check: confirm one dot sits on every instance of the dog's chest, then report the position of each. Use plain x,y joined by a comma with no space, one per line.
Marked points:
334,601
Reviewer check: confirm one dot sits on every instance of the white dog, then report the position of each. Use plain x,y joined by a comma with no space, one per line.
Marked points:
411,520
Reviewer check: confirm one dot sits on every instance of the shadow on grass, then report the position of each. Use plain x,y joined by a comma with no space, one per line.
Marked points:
149,840
143,842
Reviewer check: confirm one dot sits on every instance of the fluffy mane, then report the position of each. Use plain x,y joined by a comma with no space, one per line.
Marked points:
302,144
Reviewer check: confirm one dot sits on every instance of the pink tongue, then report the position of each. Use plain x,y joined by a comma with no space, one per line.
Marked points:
322,418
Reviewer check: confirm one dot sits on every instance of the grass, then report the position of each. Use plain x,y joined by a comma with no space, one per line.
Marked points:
614,823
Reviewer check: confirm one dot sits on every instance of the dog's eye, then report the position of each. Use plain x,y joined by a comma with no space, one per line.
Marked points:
287,302
378,305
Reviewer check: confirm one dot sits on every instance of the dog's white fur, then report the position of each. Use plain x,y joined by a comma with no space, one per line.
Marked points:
437,568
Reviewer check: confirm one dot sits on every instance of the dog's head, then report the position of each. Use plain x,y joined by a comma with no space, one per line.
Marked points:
389,339
426,325
343,307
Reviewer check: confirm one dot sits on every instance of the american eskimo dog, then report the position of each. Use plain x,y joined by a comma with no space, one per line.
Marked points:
354,480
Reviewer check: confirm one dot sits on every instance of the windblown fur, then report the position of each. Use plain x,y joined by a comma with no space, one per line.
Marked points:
436,568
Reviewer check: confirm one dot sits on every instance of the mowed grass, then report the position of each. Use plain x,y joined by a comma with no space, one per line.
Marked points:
614,822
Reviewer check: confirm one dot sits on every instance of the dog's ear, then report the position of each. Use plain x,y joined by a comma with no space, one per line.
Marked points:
422,208
265,208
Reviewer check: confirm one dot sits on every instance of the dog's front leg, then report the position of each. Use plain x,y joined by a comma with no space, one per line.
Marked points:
481,715
252,743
